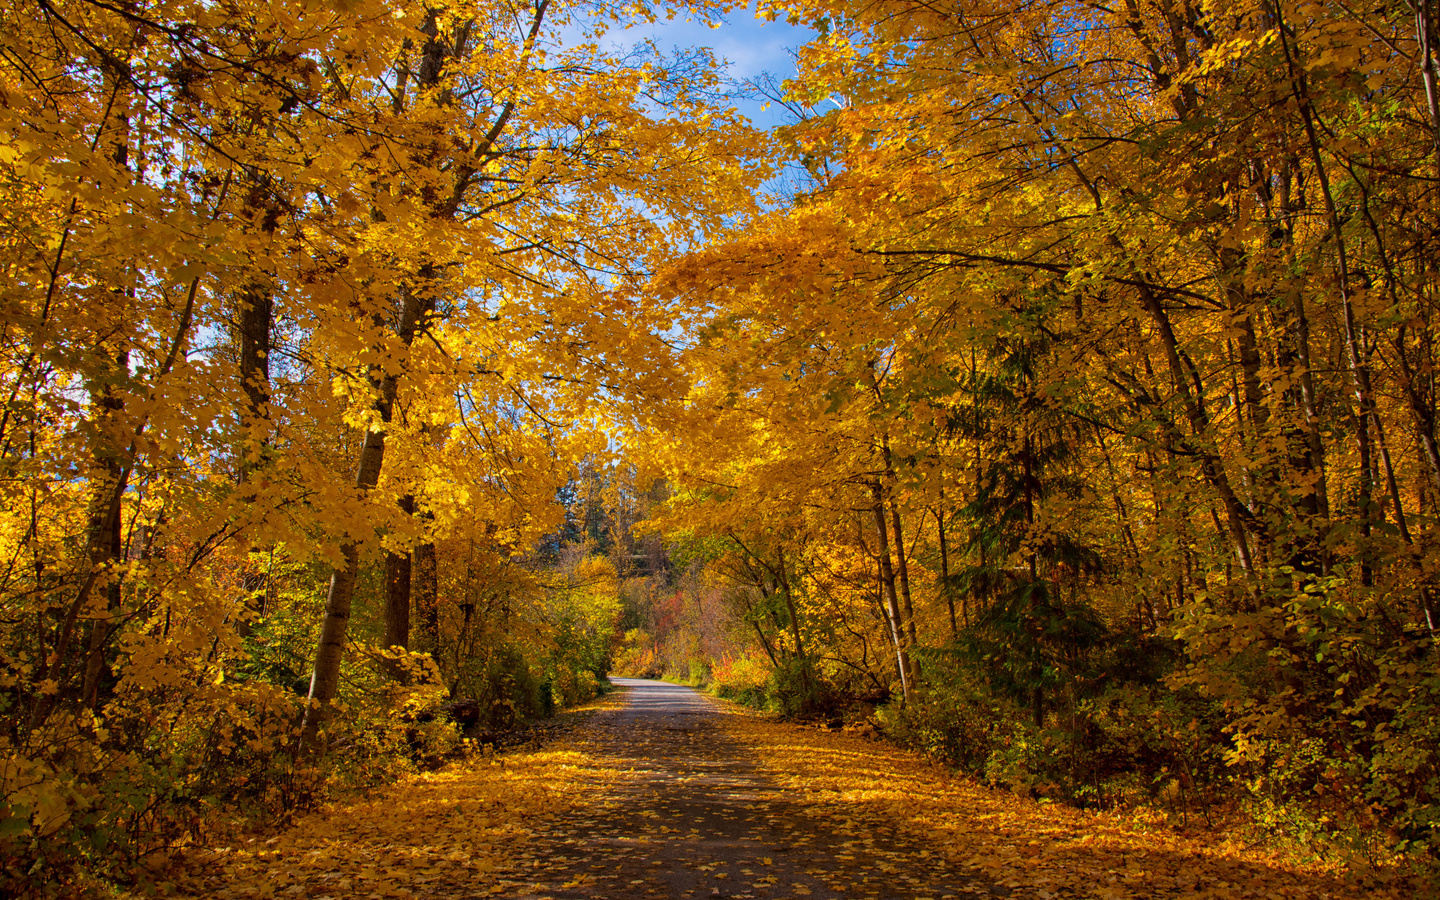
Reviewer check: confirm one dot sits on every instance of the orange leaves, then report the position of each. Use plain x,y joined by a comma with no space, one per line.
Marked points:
632,806
426,838
427,224
1039,849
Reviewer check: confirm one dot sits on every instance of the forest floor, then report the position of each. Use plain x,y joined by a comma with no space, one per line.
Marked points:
662,793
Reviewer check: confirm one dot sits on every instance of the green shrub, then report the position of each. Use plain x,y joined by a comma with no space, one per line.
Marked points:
744,679
798,691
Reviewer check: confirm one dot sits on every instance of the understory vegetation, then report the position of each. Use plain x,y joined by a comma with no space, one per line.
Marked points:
1127,721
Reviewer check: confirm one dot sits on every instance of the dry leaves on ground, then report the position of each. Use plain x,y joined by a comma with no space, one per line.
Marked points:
436,835
1032,849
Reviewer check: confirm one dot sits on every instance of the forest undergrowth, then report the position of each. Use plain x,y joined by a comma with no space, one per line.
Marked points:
431,834
1038,848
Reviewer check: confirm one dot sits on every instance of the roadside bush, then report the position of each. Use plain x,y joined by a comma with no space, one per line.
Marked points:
571,688
93,795
956,722
505,685
699,674
637,656
1137,742
1330,713
744,679
1112,735
981,734
798,691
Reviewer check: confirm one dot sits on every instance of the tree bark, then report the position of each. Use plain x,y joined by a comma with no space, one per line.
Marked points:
903,570
103,537
334,628
887,584
1355,357
397,589
426,594
782,581
945,567
1425,32
254,322
1199,418
257,310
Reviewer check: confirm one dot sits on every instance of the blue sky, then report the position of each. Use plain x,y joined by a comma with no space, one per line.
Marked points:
748,47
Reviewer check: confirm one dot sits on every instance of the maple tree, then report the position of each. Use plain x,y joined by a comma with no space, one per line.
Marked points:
300,293
1076,407
1135,300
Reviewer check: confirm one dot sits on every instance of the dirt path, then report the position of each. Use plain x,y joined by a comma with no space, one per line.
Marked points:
695,816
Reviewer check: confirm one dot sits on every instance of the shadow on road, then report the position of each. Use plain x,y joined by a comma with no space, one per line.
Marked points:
692,815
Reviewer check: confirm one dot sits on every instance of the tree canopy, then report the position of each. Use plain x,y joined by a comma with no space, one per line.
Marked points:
1061,380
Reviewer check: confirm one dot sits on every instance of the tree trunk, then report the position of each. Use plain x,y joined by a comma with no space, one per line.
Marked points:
1422,410
754,621
334,628
1357,360
257,310
945,568
426,594
397,590
903,569
1425,31
887,584
110,468
103,537
783,583
1037,695
1194,405
254,322
1122,511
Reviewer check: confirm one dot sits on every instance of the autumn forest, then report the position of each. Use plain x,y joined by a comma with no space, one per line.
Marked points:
1053,394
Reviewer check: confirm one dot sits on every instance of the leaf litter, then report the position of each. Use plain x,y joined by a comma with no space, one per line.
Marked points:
669,794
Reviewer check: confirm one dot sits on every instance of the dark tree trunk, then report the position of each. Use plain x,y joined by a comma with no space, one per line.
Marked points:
426,598
335,627
945,569
397,590
887,585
